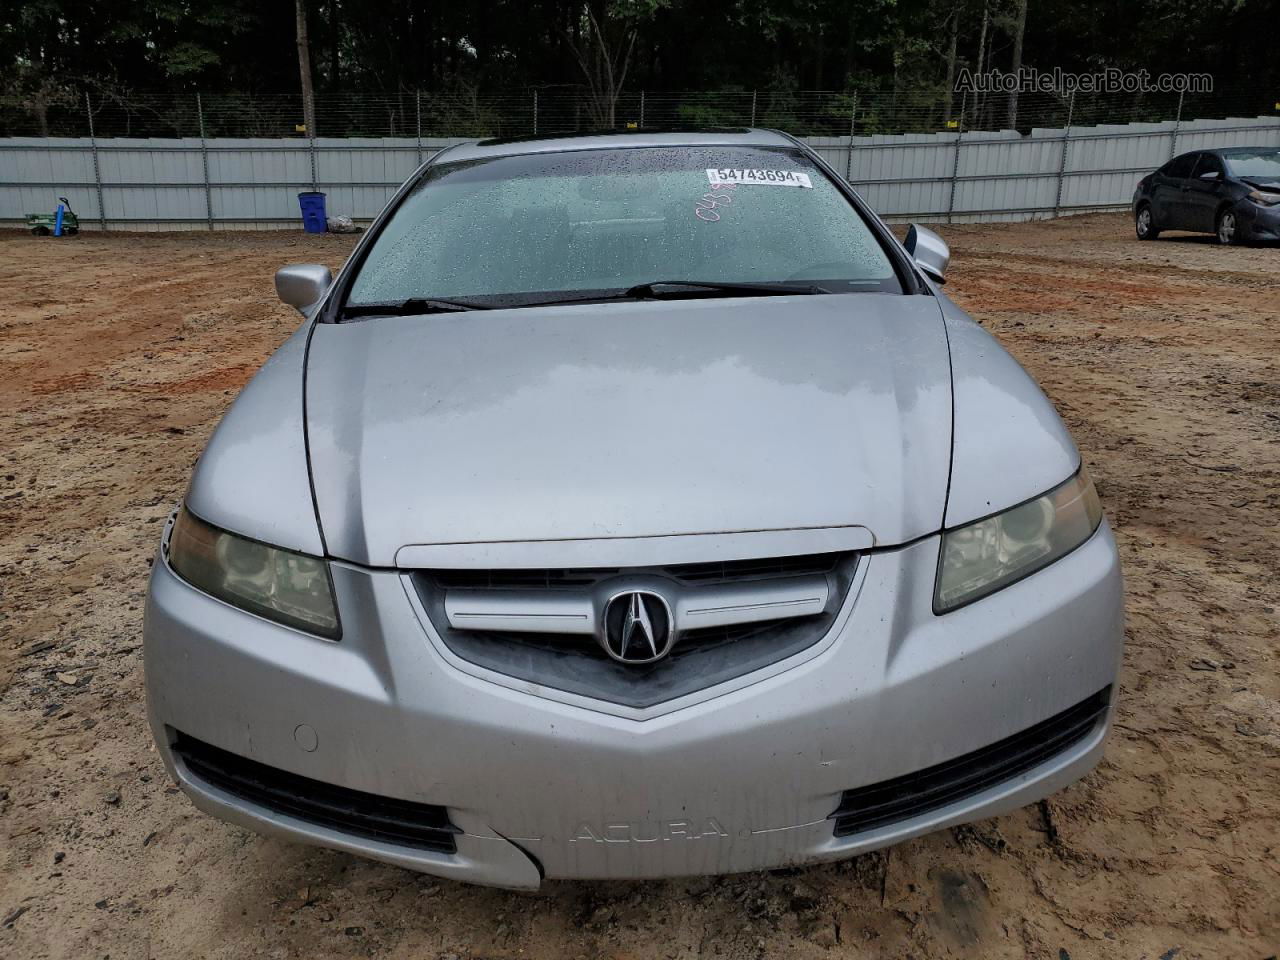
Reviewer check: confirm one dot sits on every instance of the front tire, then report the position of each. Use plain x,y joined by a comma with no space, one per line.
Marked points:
1144,224
1227,228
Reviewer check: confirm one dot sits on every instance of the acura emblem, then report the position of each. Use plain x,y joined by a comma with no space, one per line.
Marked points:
637,627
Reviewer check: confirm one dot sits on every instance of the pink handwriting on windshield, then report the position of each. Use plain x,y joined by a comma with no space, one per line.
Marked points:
717,196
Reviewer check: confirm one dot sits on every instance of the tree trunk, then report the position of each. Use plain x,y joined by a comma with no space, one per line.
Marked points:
897,63
304,69
951,59
604,67
40,107
851,48
335,42
819,55
1020,28
982,61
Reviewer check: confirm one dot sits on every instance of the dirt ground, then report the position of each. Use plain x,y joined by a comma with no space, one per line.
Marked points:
120,352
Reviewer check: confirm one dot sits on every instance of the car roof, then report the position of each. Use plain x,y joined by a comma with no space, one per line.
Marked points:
1223,152
1232,151
612,139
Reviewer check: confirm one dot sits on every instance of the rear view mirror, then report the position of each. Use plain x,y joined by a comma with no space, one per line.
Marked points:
301,285
929,251
1210,175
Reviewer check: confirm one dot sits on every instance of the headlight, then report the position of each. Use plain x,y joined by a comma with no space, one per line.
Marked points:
290,588
982,557
1266,199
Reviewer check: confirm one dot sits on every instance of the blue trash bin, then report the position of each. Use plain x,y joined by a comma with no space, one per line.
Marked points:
314,219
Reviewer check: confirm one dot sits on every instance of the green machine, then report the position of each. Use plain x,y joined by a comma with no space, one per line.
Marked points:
61,222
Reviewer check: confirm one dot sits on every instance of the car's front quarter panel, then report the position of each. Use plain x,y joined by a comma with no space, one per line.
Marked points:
1008,442
253,478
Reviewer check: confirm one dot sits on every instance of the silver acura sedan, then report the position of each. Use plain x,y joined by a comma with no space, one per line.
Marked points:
631,506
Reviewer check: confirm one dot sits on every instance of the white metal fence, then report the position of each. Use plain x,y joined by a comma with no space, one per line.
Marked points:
242,183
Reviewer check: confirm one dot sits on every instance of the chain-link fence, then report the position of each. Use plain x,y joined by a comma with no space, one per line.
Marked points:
221,162
571,109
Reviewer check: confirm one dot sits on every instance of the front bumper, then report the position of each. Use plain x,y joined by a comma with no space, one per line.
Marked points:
1260,223
741,777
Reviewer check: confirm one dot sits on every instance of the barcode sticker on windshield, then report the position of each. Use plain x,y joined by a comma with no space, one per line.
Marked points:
769,178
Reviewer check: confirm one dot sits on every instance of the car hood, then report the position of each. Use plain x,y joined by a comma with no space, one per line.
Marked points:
606,422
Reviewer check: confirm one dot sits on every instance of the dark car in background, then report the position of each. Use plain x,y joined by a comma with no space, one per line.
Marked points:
1233,194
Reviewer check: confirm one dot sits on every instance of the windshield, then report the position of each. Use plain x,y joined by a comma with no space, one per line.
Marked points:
528,228
1262,164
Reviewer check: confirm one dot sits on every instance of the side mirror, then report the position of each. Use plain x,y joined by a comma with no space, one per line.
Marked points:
929,251
302,284
1211,175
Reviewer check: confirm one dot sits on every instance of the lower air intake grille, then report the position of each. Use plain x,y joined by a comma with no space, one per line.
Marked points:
423,826
902,798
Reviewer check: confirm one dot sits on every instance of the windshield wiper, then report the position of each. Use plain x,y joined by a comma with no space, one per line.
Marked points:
412,307
652,289
707,288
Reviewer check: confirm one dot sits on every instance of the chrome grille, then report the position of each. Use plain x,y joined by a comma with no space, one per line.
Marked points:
730,618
